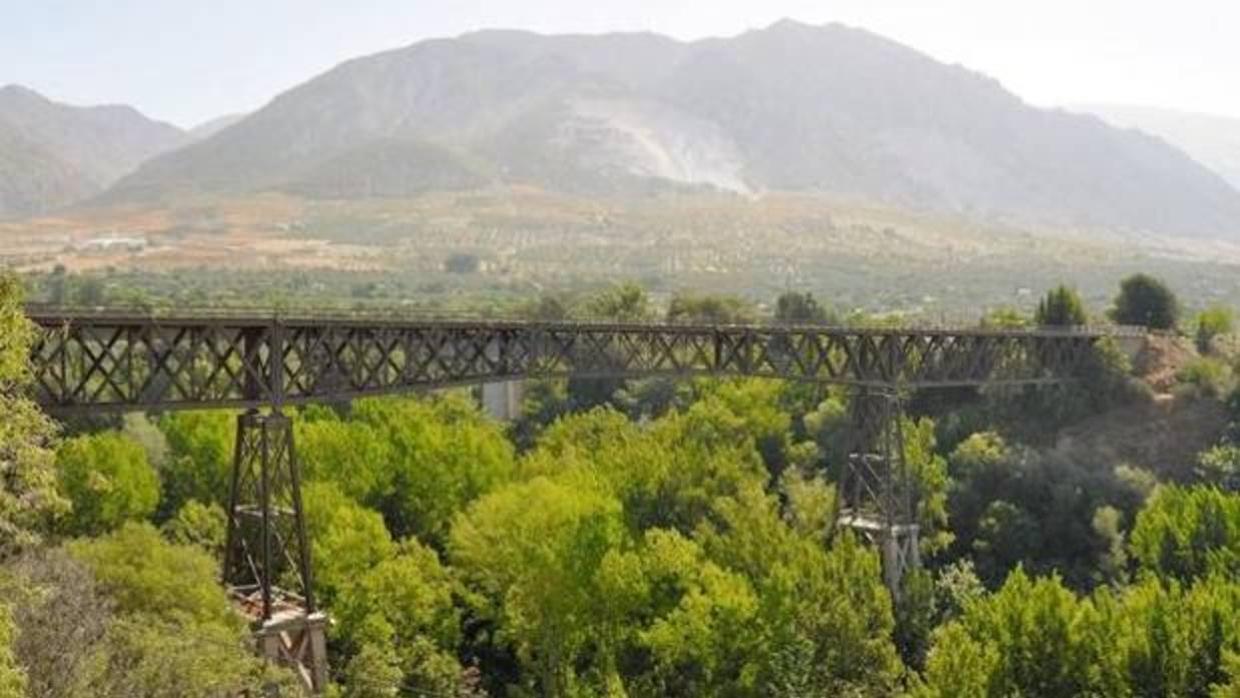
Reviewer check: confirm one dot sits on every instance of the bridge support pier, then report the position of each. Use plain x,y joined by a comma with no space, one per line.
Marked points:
877,489
266,555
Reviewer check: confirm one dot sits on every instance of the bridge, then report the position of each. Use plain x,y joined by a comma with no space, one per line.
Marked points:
90,360
110,360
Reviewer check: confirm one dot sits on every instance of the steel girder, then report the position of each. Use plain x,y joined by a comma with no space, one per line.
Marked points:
90,361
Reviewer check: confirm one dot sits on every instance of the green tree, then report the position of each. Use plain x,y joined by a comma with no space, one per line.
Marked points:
928,472
29,498
355,455
666,476
828,601
201,525
12,677
1213,322
1031,638
1112,565
374,671
200,455
1166,639
404,604
795,308
1188,534
142,658
1007,535
620,303
1005,318
548,308
829,425
1061,307
442,454
1009,504
175,632
1220,466
1145,300
145,573
715,310
543,403
704,636
752,409
959,666
346,539
108,480
531,555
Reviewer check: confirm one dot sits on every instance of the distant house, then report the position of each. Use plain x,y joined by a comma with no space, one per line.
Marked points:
112,243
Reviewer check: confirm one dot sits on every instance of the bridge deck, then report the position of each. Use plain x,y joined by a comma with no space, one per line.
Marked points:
127,359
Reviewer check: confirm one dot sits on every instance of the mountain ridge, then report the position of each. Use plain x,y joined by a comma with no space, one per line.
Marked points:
55,154
791,107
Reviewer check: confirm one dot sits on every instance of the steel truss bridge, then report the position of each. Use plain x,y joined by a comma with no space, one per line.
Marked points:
97,360
92,361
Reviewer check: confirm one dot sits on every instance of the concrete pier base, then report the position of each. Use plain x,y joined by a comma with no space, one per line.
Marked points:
297,640
503,400
898,544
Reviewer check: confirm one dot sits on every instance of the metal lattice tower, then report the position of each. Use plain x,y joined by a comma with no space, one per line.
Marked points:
267,554
879,493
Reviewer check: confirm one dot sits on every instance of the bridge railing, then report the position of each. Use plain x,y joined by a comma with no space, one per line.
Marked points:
47,314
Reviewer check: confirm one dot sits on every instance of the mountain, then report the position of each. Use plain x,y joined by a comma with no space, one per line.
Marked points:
791,107
209,128
1214,141
53,154
33,179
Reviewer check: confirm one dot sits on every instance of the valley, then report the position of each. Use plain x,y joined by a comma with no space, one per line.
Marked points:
523,242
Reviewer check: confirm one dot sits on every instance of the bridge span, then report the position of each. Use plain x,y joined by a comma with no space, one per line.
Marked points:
127,360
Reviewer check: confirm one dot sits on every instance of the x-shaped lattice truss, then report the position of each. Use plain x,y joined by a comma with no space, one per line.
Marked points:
91,361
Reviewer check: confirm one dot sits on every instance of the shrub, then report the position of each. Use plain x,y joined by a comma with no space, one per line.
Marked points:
1211,323
1209,376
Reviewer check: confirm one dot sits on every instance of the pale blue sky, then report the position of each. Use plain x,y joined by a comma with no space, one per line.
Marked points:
186,61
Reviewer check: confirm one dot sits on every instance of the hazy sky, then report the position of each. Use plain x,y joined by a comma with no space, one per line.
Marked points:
186,61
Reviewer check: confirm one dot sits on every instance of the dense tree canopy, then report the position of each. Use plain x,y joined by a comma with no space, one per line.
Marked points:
1145,300
1188,534
797,308
200,446
709,309
108,481
29,498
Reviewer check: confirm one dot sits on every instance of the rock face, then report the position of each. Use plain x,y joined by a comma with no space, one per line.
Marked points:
791,107
52,154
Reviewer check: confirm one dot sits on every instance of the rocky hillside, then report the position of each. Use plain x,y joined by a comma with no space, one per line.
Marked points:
53,154
791,108
33,179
